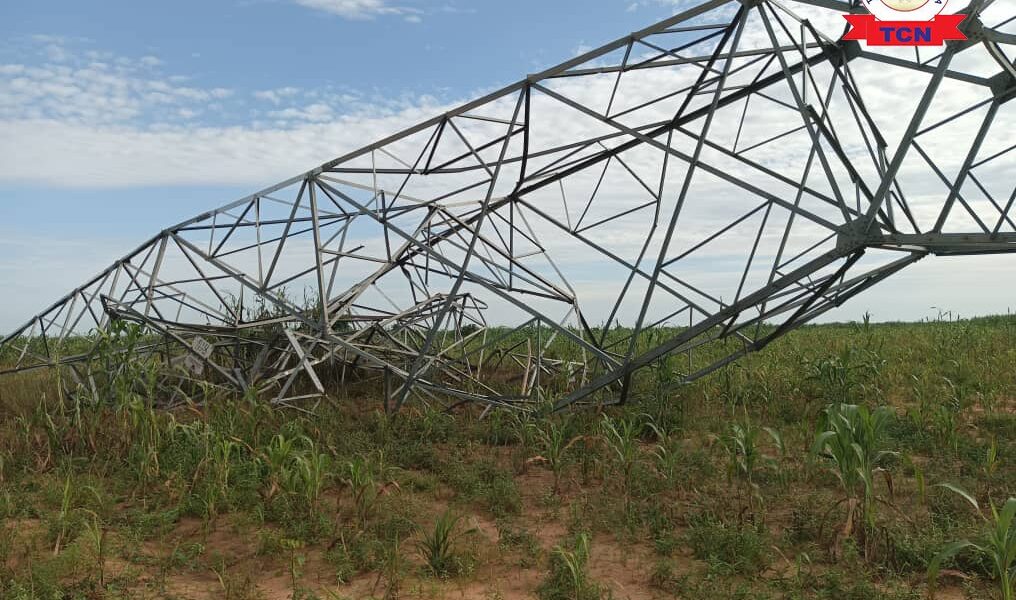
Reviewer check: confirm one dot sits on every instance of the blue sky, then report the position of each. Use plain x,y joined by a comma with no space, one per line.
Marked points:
444,48
119,118
256,44
256,57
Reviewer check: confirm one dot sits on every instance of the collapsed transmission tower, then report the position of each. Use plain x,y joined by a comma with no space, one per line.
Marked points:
691,191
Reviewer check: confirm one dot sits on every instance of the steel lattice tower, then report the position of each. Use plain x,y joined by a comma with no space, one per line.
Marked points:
731,172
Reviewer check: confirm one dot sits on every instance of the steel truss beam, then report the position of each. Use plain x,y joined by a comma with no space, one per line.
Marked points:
716,180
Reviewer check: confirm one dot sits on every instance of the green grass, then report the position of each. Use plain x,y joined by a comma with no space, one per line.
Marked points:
689,489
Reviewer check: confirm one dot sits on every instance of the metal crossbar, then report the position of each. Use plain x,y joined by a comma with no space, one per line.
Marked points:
697,188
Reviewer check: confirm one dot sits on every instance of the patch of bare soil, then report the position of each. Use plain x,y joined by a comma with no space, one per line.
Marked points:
624,569
22,535
950,593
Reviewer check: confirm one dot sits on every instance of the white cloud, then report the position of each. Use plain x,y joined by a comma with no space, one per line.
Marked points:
637,4
58,153
96,119
358,9
315,113
277,95
92,87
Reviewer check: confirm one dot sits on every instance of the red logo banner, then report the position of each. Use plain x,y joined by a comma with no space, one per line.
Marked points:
904,33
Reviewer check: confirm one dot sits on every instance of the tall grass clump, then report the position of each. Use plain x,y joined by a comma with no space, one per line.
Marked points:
365,477
554,442
729,547
437,546
622,440
747,455
996,543
851,440
569,573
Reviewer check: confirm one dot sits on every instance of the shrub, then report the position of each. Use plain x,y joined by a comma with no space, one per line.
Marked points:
569,576
729,548
437,545
997,543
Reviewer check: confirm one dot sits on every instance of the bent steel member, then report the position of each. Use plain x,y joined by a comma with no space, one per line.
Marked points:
698,188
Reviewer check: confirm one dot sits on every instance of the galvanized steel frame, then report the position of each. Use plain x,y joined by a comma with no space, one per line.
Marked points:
470,241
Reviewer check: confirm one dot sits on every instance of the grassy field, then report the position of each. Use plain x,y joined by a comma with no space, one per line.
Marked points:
836,464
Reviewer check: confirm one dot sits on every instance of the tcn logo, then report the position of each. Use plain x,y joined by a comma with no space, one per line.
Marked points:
905,23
